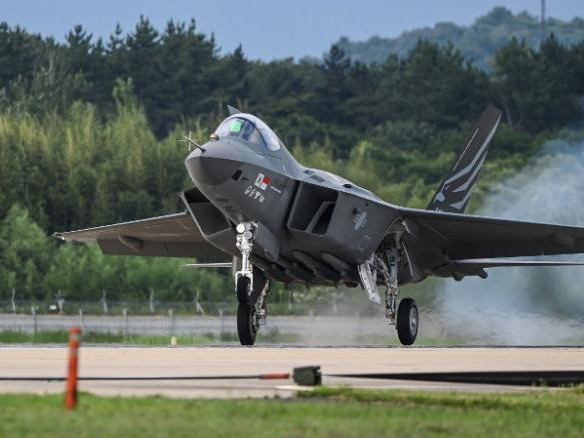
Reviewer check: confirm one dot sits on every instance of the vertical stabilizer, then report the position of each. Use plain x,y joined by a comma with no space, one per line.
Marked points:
454,192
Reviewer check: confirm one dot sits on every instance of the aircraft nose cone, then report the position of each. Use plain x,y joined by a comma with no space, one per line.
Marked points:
210,170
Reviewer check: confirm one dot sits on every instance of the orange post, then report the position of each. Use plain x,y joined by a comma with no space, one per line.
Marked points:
71,389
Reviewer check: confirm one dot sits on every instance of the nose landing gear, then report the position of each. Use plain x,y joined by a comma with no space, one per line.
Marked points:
252,289
247,328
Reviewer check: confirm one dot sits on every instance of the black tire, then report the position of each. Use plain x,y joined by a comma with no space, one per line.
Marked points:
407,321
246,329
242,289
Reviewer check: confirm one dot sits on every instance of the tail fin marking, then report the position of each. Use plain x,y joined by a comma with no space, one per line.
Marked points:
454,192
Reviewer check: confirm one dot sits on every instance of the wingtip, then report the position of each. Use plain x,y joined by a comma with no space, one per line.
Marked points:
58,236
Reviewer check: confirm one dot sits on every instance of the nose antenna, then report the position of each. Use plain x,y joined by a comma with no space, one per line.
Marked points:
191,142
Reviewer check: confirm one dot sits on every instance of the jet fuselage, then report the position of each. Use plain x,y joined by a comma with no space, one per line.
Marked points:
308,220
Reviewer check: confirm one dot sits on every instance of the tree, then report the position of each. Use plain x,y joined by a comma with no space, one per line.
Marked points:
25,255
537,88
19,50
436,85
333,89
144,67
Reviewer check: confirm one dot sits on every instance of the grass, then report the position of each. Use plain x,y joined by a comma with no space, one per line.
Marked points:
61,337
326,412
272,336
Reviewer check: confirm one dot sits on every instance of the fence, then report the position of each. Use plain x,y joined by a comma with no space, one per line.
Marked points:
286,322
63,306
348,326
304,329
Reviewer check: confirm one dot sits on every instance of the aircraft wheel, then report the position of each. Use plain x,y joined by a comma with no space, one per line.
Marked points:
246,324
407,321
242,290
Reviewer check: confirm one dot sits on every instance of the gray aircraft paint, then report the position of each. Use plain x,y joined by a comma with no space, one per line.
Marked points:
315,227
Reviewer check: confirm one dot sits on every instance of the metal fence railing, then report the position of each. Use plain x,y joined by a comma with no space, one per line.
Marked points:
279,329
61,306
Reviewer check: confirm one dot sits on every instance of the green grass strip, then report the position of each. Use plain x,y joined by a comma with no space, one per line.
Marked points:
326,413
61,337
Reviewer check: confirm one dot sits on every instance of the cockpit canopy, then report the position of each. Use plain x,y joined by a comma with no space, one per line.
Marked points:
250,129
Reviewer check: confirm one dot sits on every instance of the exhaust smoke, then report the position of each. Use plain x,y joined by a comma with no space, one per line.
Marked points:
526,305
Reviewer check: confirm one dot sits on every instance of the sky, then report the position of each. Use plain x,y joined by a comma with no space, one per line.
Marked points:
267,29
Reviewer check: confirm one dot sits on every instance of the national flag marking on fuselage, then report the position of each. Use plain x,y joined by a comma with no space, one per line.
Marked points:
262,181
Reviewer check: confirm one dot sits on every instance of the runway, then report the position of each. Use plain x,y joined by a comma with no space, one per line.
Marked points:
121,361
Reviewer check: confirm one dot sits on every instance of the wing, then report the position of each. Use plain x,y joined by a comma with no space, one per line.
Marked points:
174,235
474,237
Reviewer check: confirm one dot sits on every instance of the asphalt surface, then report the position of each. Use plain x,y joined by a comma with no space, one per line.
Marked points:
121,361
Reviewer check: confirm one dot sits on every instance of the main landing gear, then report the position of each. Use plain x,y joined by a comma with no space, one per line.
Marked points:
405,316
252,288
407,321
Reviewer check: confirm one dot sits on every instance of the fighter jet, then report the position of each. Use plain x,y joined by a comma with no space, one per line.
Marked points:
254,207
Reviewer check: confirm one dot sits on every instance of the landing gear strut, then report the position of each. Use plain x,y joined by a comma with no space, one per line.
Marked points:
252,288
405,316
244,243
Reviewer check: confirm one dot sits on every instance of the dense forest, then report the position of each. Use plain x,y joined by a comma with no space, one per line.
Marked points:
478,42
89,130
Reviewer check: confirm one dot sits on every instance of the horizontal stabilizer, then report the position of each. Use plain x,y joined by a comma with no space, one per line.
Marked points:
494,263
208,265
470,237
